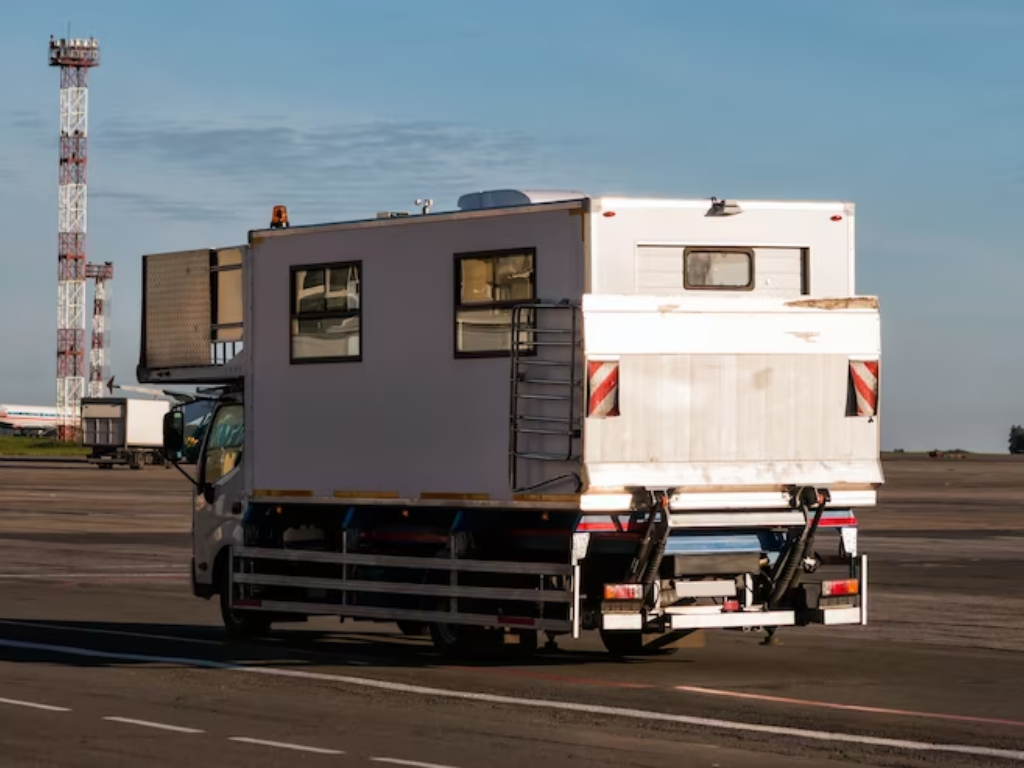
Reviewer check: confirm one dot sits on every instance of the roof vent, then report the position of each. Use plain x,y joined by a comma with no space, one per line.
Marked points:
505,198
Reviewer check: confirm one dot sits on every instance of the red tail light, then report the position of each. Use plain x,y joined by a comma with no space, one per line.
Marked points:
840,588
623,591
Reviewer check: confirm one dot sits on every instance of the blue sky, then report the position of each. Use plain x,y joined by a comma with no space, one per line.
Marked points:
206,114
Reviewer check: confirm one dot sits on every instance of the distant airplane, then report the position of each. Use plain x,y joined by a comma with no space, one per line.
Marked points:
28,419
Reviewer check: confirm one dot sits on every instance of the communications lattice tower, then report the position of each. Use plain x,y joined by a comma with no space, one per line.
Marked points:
75,57
99,347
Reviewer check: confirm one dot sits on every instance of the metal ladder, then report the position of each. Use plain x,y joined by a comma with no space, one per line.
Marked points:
546,407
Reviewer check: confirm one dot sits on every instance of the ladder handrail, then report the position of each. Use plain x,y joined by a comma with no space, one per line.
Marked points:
523,354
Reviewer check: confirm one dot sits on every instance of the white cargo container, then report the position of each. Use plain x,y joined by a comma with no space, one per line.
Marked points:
122,430
622,396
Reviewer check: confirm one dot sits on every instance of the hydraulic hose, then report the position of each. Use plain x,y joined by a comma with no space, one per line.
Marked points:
788,573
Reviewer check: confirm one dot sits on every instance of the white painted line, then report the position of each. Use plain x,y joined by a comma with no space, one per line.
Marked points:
285,745
847,707
564,706
33,705
149,724
410,763
114,632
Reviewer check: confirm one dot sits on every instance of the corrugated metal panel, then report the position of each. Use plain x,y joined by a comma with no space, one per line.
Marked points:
177,309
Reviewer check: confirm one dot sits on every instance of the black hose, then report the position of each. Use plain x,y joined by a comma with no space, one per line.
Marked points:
787,575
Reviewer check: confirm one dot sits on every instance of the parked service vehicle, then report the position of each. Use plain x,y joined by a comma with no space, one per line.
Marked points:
123,431
536,413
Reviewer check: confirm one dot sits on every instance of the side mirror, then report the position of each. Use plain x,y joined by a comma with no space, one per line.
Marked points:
174,434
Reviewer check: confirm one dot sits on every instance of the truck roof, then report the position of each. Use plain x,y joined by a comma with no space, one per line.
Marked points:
512,202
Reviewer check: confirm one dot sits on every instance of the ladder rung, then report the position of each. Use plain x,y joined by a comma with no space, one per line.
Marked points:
550,419
529,361
558,398
547,457
552,382
558,432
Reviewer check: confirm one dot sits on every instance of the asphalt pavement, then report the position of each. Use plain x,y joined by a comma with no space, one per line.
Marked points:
106,659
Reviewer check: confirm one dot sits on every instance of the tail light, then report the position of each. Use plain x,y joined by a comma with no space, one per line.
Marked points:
623,591
840,588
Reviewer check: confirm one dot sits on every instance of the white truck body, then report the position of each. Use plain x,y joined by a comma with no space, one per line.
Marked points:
123,430
714,353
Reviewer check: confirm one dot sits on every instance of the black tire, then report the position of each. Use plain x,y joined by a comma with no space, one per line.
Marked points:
413,628
623,643
239,625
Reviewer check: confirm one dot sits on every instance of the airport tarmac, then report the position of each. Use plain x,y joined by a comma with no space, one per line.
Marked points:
107,659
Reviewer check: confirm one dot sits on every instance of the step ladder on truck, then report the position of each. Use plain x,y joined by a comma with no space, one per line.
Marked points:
538,413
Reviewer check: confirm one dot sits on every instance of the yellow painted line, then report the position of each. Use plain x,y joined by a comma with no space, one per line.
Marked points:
365,495
558,497
265,492
438,495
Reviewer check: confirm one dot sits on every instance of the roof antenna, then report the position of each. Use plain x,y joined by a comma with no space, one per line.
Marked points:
425,205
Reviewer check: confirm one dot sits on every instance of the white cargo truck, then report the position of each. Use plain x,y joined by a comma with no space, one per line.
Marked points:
536,413
123,431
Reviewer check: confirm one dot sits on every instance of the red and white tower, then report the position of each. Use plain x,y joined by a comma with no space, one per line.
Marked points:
75,57
99,347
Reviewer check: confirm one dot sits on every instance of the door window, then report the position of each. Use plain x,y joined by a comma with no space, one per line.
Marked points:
224,446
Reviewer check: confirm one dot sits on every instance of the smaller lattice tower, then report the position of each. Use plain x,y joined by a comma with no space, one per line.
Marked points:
99,348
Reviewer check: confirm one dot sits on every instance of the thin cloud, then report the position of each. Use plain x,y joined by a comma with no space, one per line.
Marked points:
31,121
164,206
325,168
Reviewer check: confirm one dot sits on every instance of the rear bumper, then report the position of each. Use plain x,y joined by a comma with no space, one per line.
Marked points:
756,617
731,503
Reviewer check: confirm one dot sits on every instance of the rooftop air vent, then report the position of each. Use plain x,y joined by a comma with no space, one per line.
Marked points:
505,198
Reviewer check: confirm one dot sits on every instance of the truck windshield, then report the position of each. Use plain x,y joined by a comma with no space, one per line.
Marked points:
224,448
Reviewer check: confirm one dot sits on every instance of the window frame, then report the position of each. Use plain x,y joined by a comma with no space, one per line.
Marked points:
749,252
294,314
458,306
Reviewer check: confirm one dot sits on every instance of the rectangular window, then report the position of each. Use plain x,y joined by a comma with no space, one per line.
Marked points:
326,313
487,286
730,269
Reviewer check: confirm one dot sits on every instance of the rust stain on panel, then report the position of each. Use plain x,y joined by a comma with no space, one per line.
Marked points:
859,302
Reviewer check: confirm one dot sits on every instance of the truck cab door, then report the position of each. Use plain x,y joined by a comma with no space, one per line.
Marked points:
217,514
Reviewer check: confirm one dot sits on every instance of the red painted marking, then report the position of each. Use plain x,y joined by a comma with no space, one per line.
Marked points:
597,527
605,388
867,392
849,707
838,522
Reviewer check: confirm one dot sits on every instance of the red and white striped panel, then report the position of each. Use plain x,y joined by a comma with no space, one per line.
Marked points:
602,388
864,374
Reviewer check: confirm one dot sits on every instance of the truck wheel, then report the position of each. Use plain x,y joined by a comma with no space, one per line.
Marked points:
240,625
458,639
413,628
